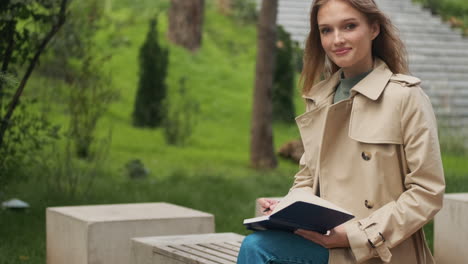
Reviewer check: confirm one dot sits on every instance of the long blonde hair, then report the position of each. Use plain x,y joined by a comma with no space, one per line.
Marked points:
387,45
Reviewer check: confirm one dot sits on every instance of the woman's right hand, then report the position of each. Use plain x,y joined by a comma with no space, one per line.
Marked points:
268,205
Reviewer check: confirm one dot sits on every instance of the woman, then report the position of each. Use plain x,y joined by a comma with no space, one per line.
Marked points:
371,145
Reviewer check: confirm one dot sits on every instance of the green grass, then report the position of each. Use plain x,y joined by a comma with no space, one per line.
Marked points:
211,173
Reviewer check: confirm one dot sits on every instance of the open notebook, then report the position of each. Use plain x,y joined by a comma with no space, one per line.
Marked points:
301,209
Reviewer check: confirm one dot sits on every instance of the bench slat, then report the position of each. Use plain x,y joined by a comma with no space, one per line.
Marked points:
180,255
234,243
219,248
216,253
201,254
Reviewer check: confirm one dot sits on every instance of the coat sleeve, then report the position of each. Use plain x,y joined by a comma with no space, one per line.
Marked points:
424,183
304,177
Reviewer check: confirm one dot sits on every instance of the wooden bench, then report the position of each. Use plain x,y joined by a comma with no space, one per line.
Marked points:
217,248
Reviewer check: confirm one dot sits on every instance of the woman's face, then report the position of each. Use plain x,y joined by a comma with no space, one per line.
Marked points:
346,37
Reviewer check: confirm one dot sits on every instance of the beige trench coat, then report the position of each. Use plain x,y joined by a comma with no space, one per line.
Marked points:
376,155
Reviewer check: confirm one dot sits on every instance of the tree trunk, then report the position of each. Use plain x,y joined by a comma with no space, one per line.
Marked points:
186,23
261,147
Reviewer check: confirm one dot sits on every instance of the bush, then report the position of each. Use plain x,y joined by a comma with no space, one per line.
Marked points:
180,118
283,80
244,11
28,133
148,108
452,10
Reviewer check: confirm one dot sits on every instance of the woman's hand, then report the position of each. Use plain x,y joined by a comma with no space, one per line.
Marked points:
337,238
267,205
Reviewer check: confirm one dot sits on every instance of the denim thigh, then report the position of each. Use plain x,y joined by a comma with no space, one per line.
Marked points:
279,247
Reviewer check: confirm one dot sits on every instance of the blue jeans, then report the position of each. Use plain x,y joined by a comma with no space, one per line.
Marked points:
278,247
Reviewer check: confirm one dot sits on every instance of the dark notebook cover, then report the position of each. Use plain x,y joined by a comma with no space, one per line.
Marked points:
301,215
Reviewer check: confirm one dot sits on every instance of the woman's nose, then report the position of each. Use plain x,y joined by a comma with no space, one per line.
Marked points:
338,38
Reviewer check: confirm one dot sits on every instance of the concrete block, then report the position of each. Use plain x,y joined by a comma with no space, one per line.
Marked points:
201,249
451,230
101,234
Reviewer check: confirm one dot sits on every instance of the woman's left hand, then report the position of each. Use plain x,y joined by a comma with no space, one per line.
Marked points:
337,238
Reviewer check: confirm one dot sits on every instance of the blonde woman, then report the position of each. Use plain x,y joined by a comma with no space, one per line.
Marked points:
371,145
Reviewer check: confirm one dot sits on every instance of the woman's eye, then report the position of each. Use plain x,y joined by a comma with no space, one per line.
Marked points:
324,30
350,26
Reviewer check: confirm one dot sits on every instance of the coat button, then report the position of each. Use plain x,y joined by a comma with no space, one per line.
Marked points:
366,156
369,204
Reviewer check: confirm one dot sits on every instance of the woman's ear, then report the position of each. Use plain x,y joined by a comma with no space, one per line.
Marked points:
375,30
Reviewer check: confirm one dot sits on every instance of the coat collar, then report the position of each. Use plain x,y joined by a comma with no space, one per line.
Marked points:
374,84
371,86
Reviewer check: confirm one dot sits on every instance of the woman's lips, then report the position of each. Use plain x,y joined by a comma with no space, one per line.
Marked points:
342,51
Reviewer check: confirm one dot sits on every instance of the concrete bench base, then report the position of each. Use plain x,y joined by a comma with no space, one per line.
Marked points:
101,233
451,230
220,248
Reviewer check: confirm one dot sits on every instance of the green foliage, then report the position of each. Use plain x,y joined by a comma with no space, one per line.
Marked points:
28,133
75,59
88,101
180,118
449,9
283,81
244,11
148,108
22,24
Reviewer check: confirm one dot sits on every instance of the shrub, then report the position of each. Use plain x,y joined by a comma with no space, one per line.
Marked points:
180,118
244,11
283,81
148,108
28,133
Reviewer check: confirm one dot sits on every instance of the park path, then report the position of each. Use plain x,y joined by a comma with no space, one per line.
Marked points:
438,54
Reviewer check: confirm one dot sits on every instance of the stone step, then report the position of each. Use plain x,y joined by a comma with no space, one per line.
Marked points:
439,68
390,11
301,32
451,52
419,36
443,85
447,93
421,59
306,5
442,76
437,43
303,17
458,103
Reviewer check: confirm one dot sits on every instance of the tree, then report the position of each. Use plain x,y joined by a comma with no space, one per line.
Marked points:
22,44
148,109
186,23
261,147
